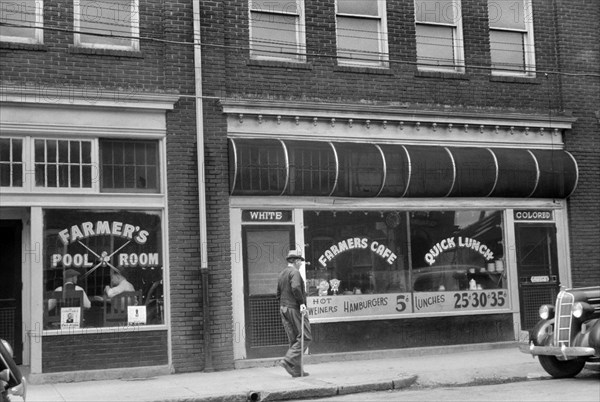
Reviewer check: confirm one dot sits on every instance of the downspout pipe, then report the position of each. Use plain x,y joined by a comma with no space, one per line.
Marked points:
208,366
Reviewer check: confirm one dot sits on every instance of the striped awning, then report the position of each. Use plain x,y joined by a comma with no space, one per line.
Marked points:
261,167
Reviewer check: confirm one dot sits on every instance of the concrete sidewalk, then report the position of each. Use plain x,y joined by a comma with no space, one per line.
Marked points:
492,363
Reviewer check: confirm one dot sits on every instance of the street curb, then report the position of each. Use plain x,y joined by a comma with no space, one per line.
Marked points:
324,391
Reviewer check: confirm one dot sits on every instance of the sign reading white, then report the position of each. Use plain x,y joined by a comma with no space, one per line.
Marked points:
435,302
358,305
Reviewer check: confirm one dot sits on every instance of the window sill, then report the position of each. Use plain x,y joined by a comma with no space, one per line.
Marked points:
298,65
363,70
105,52
515,79
23,46
451,75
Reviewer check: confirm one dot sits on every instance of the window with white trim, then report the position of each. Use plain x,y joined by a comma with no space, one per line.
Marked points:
439,35
112,24
11,162
361,33
63,163
511,37
277,30
129,166
22,21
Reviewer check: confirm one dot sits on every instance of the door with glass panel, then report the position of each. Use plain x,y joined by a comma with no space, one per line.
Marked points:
537,267
265,248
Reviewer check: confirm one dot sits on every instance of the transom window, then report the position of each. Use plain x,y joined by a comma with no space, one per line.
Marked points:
277,30
129,166
361,33
63,163
11,162
107,24
439,35
21,20
511,37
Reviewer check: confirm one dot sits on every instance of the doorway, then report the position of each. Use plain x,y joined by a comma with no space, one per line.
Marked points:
265,248
11,286
537,268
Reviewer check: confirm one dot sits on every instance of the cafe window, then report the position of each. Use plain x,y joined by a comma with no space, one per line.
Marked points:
360,252
104,268
389,263
129,166
11,162
63,163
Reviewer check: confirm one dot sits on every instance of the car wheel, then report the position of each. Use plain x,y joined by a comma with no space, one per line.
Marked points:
561,368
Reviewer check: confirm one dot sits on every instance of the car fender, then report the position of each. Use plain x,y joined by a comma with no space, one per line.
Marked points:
541,334
593,326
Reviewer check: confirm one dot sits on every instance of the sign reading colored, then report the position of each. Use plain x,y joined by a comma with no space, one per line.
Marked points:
533,215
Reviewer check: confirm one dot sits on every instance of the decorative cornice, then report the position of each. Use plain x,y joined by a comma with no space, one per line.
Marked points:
86,97
393,115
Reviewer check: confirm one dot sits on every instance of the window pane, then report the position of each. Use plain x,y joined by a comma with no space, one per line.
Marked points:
86,176
506,14
75,179
17,146
63,151
5,174
63,175
130,167
435,45
273,35
74,151
451,248
507,51
17,175
358,39
112,17
440,11
52,176
50,151
133,240
5,149
86,152
39,151
40,175
360,7
18,12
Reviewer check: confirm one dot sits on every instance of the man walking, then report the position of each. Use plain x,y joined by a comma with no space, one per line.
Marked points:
291,294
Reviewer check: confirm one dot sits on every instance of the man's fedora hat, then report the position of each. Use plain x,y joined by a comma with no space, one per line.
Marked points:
69,273
294,254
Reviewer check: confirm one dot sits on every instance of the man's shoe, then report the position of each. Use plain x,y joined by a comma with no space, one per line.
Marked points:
305,374
288,368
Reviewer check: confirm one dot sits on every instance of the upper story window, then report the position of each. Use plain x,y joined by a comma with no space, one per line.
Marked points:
511,37
11,162
22,21
439,35
129,166
277,30
112,24
63,163
361,33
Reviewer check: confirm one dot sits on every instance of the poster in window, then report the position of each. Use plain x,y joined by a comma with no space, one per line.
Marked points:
70,317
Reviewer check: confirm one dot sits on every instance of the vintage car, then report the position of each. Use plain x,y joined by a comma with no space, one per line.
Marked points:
568,334
11,380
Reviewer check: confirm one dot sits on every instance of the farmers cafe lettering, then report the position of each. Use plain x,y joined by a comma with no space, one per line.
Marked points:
85,230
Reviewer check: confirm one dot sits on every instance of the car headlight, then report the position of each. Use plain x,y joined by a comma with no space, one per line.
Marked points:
546,311
581,309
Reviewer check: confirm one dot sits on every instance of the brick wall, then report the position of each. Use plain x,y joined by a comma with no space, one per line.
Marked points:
118,349
579,29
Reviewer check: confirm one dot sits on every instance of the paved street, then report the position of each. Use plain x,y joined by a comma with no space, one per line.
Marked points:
584,388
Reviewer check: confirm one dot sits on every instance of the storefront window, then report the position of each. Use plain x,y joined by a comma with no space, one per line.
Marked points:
385,263
102,268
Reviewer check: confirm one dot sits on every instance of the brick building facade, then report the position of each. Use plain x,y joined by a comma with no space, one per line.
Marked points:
433,130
